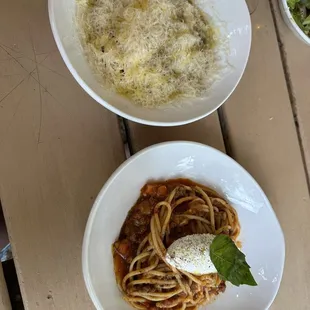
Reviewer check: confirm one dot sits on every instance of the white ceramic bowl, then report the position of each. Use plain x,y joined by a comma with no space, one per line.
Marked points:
290,22
261,235
230,17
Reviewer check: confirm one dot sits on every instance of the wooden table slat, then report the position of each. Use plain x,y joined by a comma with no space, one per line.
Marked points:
296,55
57,148
206,131
263,139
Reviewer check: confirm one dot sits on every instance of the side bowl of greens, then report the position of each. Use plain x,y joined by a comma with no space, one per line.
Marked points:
296,14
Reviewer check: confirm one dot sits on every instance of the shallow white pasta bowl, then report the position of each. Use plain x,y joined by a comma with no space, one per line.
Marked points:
261,235
231,19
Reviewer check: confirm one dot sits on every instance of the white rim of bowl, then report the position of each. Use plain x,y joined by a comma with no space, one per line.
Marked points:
110,107
93,212
293,23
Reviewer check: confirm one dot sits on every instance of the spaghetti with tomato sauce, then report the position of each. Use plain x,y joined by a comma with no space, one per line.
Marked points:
165,212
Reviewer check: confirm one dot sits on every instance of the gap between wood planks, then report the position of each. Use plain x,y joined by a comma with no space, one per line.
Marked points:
289,85
126,135
126,138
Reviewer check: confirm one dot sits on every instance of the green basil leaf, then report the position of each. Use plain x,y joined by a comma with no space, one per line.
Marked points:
230,262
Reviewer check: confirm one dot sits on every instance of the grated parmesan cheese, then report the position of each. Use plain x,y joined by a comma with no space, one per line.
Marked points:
152,51
192,254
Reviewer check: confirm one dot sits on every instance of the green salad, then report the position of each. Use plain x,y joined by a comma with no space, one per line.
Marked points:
300,10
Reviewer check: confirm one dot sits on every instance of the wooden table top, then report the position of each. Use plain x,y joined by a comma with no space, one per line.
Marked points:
58,147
